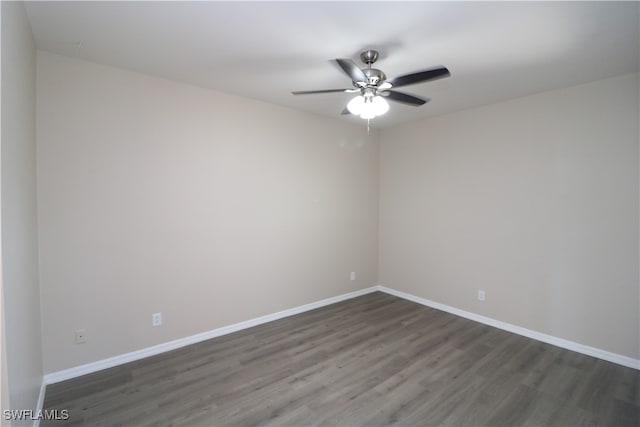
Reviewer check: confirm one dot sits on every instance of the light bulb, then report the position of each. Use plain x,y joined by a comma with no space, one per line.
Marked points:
356,105
380,105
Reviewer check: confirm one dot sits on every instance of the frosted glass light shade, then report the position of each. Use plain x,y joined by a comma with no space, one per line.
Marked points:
356,105
380,105
368,107
367,112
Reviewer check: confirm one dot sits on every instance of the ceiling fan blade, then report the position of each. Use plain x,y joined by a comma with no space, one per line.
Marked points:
404,98
308,92
352,70
420,76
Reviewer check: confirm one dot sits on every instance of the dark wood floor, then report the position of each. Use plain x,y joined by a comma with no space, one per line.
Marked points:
373,360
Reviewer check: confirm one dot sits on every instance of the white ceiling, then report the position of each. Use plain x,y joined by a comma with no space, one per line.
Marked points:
263,50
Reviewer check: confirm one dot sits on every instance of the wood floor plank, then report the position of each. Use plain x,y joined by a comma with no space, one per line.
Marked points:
375,360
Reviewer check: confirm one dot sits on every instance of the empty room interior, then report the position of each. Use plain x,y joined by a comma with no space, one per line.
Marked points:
320,213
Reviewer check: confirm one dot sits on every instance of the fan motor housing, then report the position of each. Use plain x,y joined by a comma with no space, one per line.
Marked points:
374,75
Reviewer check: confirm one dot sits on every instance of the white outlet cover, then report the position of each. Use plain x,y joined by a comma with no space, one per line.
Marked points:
81,336
353,275
156,319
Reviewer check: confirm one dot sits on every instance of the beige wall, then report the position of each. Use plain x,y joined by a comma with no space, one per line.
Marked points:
158,196
19,220
534,200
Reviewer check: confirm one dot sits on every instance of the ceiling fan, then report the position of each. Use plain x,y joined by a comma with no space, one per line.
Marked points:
373,86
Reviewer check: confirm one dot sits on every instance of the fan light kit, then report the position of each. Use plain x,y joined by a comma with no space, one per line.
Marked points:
368,106
373,86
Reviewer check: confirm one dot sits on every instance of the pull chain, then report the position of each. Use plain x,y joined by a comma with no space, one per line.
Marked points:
368,77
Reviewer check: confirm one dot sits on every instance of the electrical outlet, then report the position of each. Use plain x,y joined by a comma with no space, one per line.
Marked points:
156,319
480,295
81,336
353,275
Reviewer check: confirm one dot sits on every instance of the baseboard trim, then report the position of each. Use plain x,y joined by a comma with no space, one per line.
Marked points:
111,362
549,339
40,403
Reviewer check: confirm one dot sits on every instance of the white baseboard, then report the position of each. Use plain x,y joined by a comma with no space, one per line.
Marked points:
110,362
549,339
